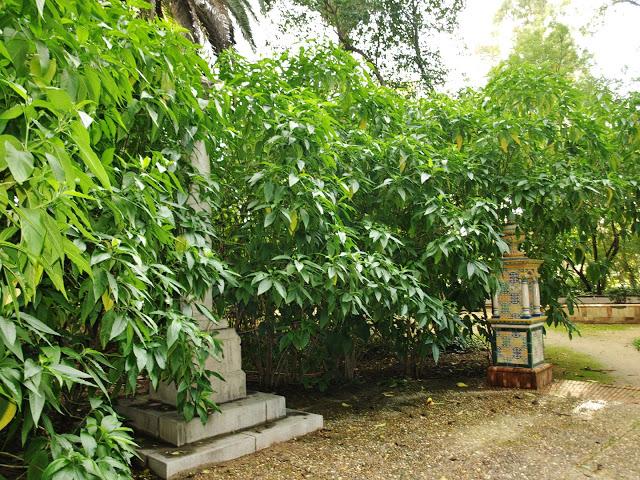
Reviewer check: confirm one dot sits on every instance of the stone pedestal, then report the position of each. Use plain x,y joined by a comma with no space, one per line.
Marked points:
517,323
229,366
518,377
245,423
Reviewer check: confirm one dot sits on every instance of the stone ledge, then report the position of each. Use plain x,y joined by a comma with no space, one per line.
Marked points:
167,461
233,387
164,423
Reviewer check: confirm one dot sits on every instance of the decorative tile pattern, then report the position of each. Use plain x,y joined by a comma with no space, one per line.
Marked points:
537,346
511,347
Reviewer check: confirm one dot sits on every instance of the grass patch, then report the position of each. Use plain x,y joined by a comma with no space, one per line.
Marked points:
636,343
588,328
572,365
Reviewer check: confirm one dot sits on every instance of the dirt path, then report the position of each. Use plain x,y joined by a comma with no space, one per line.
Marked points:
612,348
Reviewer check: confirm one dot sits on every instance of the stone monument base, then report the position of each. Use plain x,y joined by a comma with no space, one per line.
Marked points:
520,377
240,427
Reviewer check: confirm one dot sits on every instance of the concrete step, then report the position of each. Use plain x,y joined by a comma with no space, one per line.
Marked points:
165,423
167,461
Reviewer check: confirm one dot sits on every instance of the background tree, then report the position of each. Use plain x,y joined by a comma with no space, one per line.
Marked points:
210,21
596,238
396,37
541,38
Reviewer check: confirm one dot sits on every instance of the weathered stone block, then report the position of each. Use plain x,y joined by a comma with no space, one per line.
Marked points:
169,426
169,462
518,377
229,366
295,424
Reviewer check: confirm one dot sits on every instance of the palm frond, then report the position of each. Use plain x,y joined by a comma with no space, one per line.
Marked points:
210,20
214,17
242,11
182,12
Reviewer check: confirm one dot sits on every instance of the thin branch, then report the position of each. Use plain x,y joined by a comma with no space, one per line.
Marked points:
615,245
348,45
581,275
374,68
635,3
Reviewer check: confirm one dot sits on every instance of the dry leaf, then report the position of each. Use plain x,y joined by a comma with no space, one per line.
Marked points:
462,385
345,405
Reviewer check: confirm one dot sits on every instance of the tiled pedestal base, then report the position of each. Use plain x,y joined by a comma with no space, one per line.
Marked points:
519,377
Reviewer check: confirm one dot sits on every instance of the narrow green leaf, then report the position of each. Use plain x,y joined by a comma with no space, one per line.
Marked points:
36,404
40,6
91,160
173,332
471,268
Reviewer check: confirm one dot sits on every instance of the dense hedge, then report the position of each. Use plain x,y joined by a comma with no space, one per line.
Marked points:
369,216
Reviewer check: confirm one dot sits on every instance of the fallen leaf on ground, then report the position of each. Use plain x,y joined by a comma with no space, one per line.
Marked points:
345,405
462,385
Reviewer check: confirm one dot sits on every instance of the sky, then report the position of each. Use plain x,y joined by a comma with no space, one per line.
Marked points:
614,40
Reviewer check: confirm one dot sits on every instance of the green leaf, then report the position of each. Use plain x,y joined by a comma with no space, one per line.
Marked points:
141,357
173,332
293,179
471,268
11,113
40,6
264,286
280,289
8,330
269,219
435,351
60,99
88,443
119,324
74,254
32,229
91,160
36,324
36,405
70,372
20,162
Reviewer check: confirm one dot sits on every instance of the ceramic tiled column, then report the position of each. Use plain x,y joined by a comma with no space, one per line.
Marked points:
517,322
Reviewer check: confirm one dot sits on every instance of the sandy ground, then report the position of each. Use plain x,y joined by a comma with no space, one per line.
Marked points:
612,348
426,430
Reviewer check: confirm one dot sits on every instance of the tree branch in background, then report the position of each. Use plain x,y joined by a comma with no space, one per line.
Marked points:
392,35
629,2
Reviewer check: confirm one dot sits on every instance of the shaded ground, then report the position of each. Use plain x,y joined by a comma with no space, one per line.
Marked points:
610,348
452,427
373,432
